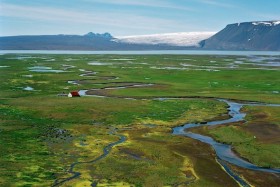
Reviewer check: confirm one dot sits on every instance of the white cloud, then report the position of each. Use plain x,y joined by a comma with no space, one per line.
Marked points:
216,3
263,16
146,3
40,13
62,16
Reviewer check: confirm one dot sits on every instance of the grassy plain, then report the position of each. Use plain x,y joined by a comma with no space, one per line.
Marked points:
42,134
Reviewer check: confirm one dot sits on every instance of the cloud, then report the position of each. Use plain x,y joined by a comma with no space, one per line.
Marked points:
216,3
263,16
145,3
62,16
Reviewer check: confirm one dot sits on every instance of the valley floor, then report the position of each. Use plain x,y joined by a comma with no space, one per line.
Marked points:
119,132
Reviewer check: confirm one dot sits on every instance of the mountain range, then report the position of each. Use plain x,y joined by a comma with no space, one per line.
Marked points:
90,41
261,35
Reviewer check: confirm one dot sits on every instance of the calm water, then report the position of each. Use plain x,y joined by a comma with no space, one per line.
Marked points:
156,52
224,151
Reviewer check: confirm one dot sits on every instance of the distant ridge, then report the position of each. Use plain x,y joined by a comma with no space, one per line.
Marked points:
256,35
90,41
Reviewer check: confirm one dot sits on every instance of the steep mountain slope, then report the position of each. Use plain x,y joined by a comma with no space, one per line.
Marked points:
246,36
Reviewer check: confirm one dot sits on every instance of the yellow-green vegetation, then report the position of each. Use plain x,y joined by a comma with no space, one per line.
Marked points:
43,134
256,140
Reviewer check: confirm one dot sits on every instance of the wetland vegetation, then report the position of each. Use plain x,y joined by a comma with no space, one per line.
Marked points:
119,133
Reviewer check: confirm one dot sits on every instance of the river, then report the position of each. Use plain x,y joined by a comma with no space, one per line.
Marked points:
223,151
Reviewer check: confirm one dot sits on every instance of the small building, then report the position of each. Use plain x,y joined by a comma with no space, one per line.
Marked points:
74,94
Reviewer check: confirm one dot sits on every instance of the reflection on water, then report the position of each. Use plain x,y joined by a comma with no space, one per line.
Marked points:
44,69
28,88
99,63
224,151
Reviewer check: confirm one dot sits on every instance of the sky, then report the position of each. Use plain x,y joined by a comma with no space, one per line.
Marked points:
129,17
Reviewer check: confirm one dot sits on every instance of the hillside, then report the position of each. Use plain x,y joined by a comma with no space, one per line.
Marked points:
263,35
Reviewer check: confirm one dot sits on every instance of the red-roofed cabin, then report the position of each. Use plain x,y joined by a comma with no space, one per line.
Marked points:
74,94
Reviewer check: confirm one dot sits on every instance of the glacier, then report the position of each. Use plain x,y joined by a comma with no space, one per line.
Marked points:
175,39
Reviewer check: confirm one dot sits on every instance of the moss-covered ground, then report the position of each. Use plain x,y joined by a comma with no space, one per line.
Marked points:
42,134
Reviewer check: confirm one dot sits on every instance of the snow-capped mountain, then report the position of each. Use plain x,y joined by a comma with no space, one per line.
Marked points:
173,39
257,35
266,23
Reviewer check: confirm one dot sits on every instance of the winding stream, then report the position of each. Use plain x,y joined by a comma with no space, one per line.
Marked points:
106,150
224,152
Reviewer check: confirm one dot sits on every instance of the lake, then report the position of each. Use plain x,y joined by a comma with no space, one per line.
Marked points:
152,52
